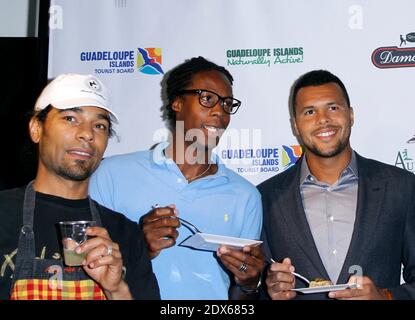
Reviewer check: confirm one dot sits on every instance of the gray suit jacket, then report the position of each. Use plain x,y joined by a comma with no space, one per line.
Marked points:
383,237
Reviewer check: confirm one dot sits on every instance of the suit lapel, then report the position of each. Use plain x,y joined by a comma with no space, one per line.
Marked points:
296,220
369,203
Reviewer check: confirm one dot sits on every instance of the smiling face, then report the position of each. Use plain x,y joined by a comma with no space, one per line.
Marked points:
71,142
209,122
323,120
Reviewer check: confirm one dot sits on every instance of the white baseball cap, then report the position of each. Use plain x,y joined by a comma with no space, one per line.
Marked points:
73,90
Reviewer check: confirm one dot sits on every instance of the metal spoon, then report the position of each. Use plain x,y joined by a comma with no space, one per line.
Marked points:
187,224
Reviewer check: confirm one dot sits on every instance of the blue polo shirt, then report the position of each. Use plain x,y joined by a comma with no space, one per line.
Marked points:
223,203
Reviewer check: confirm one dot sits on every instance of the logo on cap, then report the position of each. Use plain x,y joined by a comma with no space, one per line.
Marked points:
94,84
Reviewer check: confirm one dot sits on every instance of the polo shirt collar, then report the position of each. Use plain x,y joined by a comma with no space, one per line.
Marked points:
159,159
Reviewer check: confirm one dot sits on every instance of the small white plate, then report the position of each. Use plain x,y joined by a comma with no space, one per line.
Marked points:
335,287
211,242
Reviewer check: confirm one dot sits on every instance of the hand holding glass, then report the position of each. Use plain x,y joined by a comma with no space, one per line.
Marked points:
73,234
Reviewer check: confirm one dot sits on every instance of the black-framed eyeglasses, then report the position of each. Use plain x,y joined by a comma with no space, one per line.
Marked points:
209,99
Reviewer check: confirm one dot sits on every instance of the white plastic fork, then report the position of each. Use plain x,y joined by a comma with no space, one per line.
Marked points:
296,274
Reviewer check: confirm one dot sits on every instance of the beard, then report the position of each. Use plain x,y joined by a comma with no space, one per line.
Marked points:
78,172
339,148
328,154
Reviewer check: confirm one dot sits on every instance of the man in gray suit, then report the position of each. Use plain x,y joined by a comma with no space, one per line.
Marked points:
335,213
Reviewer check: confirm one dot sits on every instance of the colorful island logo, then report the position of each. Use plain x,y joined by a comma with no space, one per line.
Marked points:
290,155
149,61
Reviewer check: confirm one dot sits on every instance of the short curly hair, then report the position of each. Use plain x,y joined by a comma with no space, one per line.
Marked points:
316,78
179,78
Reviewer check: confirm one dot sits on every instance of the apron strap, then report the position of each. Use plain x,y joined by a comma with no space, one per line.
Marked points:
26,247
94,212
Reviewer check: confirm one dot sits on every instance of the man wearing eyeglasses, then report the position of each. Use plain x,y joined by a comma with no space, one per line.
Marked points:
185,179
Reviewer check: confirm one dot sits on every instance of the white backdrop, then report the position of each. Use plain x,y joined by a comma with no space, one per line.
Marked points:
296,37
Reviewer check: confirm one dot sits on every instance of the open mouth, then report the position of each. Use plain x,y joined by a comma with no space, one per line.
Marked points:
213,129
326,134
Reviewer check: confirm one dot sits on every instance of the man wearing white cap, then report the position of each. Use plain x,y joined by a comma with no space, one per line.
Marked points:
71,126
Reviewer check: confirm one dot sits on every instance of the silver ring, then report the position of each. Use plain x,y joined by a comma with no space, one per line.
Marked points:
243,267
109,250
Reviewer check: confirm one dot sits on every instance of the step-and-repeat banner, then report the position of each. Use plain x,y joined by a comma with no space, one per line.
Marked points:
266,45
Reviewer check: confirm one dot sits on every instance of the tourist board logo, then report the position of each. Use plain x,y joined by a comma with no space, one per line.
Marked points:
290,155
143,60
149,61
264,56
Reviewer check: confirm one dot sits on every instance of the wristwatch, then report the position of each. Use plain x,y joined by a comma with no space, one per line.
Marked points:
250,290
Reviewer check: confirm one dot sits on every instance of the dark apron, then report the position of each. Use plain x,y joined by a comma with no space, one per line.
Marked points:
48,279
